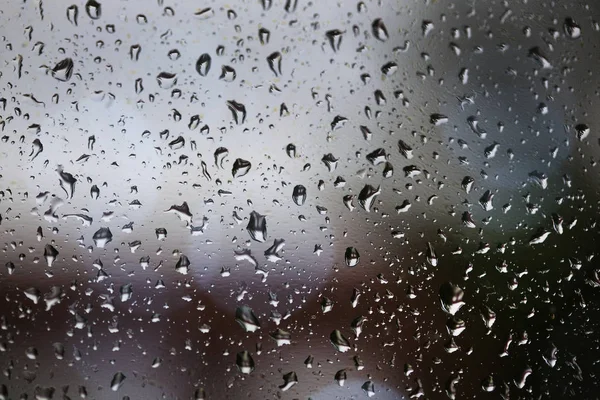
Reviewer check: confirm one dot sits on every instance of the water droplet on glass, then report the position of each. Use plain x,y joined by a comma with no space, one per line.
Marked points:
379,30
330,161
228,74
247,319
432,258
257,227
182,211
93,9
67,182
289,380
117,381
203,64
63,70
572,29
291,150
264,35
238,111
183,265
220,155
451,298
438,119
582,131
72,14
134,52
299,195
334,37
281,337
338,341
240,168
369,388
36,149
538,56
274,61
367,196
377,157
102,237
351,256
166,80
244,362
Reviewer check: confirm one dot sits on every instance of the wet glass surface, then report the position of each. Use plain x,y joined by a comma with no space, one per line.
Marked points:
299,200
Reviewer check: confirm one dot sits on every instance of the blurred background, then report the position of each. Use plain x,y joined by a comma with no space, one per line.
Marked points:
403,193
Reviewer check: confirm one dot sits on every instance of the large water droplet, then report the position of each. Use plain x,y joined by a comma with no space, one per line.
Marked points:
379,30
73,14
351,257
274,61
93,9
244,362
63,70
572,29
338,341
299,195
247,319
203,64
117,381
102,237
257,227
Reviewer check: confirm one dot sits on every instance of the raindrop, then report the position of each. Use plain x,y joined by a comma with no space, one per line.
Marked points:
166,80
572,29
240,168
93,9
134,52
351,256
330,162
247,319
72,14
63,70
274,61
299,195
228,74
367,196
379,30
291,150
369,388
36,149
257,227
238,111
264,35
335,38
203,64
117,381
582,131
244,362
102,237
338,341
289,380
183,265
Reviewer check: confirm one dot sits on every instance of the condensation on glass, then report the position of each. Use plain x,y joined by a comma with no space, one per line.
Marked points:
292,199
